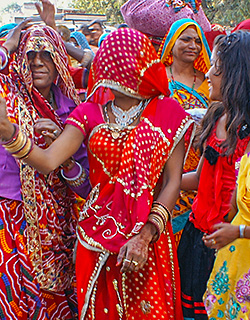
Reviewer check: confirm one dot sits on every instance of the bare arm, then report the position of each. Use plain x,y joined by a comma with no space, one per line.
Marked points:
136,249
190,180
44,160
172,177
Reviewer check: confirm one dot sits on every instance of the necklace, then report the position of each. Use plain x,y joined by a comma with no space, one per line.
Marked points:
125,118
185,104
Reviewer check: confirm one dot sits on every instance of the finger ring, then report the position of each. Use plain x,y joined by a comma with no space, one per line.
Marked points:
213,241
135,263
126,260
55,132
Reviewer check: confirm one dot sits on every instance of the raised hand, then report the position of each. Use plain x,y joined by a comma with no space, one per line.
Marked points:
13,37
47,13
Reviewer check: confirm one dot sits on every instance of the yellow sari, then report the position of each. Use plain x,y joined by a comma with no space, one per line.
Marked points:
228,289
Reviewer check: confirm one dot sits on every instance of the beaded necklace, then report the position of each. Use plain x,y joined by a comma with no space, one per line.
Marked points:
126,117
185,104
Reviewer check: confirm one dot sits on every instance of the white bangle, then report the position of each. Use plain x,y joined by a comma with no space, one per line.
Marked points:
242,228
73,178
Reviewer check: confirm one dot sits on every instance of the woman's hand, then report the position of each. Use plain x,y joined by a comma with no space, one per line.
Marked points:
225,233
13,37
48,129
47,13
134,254
7,130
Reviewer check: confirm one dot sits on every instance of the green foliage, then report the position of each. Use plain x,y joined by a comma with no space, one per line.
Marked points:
109,7
224,12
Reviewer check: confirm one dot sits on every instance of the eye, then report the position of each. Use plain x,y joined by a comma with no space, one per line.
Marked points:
31,55
45,55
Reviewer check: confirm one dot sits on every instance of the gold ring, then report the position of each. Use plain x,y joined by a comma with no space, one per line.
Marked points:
213,241
126,260
135,263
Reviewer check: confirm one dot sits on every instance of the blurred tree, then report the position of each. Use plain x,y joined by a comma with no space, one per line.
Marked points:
109,7
12,8
224,12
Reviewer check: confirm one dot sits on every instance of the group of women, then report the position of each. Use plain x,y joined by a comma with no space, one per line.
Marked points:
138,138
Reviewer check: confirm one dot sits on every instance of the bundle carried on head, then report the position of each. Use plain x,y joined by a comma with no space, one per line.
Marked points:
155,17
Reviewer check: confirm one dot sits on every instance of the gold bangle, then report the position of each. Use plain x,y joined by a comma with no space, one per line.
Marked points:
158,203
161,215
17,144
155,218
161,207
25,151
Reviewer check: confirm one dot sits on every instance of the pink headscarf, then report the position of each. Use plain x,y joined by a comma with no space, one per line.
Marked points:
127,62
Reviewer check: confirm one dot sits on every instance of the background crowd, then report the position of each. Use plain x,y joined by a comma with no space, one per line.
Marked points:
124,167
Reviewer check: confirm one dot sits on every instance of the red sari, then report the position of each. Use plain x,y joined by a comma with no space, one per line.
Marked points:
126,165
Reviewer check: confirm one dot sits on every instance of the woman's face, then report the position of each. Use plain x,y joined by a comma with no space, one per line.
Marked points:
214,77
43,70
188,46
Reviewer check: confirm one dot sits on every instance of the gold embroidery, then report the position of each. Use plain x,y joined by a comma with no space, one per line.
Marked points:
118,305
145,307
81,125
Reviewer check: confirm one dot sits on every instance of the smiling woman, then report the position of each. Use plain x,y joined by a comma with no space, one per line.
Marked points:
186,55
43,71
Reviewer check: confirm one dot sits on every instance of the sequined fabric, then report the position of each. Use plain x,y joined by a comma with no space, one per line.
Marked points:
128,62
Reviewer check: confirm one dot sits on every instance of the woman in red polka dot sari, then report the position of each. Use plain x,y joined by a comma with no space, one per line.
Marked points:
126,261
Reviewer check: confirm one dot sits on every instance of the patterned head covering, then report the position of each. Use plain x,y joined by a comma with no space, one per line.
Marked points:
155,17
202,63
37,38
127,62
178,5
80,39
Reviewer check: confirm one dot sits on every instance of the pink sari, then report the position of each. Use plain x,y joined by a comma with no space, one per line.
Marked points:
119,205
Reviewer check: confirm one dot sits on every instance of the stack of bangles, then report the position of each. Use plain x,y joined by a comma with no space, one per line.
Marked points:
159,217
76,176
4,57
20,146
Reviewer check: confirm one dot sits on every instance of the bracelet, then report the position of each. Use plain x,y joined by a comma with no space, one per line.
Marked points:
20,146
242,228
159,225
78,180
4,55
165,208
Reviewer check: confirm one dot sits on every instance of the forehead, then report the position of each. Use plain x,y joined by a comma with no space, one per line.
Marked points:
95,26
190,32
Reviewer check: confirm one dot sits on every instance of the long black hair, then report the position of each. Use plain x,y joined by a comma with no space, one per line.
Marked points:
233,63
